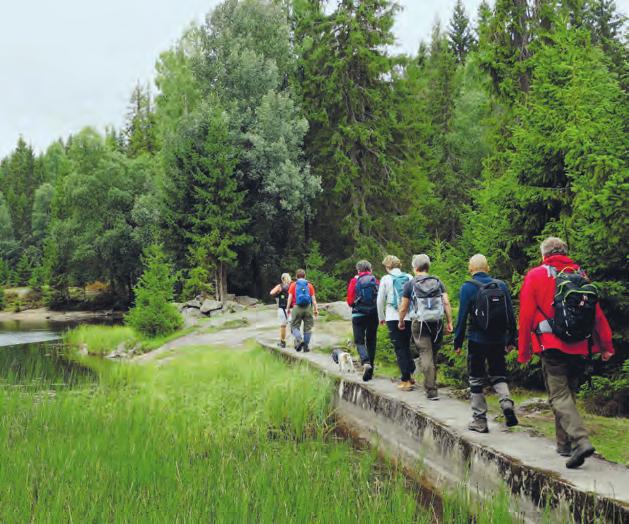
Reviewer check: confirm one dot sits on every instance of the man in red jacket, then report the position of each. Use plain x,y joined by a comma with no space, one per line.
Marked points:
562,362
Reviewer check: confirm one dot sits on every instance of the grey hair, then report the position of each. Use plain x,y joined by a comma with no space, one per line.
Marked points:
421,262
363,265
554,246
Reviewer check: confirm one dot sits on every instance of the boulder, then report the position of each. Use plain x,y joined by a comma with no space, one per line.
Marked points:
233,307
192,304
210,305
229,297
190,316
340,309
247,301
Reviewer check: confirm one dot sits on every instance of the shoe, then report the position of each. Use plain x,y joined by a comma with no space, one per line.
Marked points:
305,348
413,381
432,395
405,385
282,344
580,453
564,450
299,346
510,418
479,425
367,372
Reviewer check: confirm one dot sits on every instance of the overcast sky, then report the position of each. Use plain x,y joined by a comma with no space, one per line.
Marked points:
66,64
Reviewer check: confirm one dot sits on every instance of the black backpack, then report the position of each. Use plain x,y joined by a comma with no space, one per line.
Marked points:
575,306
366,293
490,312
282,298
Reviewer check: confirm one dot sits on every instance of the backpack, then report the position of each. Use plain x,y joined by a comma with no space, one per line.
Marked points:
490,312
575,305
302,293
366,294
282,298
399,281
427,299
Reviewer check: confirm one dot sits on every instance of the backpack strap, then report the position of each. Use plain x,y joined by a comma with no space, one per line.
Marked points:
475,282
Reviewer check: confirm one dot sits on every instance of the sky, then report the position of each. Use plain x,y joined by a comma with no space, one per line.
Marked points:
66,64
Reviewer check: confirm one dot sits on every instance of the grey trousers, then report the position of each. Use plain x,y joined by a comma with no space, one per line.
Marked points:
561,375
427,355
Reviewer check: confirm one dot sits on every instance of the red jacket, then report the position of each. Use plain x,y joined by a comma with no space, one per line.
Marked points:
537,293
351,287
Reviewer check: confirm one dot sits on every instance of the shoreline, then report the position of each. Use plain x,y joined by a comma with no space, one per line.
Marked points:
45,314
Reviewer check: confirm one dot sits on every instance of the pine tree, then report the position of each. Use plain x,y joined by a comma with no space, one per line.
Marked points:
153,313
460,35
140,129
8,245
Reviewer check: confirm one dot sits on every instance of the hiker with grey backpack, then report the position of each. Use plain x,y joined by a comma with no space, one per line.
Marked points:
428,301
389,301
562,321
486,302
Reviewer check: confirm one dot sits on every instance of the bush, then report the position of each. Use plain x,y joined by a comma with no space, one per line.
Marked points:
328,287
154,314
100,340
608,396
2,301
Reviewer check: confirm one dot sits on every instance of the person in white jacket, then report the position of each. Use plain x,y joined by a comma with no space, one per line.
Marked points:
389,297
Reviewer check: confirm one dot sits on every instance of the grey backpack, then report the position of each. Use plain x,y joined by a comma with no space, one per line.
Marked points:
427,299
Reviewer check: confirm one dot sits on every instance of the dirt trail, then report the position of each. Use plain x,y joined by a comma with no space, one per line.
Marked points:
261,323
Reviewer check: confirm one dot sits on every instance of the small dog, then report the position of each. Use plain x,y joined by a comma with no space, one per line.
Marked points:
344,360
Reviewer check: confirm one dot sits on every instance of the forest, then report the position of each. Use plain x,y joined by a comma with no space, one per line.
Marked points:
290,133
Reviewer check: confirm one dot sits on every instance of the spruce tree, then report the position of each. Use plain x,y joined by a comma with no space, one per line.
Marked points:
154,314
460,34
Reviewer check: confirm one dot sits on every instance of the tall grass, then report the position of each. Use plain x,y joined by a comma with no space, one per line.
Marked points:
216,436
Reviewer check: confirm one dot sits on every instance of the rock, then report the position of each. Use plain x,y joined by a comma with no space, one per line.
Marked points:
190,316
246,301
533,404
83,349
233,307
340,309
229,297
192,304
119,352
210,305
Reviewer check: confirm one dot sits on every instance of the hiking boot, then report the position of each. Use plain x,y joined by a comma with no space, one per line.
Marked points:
299,346
432,395
580,453
565,450
282,344
305,348
479,425
510,418
367,371
405,385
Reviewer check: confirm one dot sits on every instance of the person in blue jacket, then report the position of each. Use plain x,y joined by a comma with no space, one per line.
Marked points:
486,302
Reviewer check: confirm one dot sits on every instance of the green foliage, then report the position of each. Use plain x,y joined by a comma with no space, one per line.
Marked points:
153,313
2,299
100,340
328,288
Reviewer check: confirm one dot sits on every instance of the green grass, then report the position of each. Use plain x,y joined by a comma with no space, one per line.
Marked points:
202,439
233,323
102,340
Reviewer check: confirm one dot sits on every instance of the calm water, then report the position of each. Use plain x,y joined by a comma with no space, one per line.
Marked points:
32,355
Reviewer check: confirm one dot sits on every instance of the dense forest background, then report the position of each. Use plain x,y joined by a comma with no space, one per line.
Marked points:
287,133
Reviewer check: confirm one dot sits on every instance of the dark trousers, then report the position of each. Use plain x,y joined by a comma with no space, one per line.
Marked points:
365,329
401,341
485,359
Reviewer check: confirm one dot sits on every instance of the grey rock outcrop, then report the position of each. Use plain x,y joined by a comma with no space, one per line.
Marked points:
210,305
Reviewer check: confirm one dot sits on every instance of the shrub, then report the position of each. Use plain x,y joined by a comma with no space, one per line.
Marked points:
2,301
328,287
154,314
608,396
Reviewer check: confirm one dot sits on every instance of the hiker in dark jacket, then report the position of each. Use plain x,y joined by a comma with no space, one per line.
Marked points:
362,295
488,340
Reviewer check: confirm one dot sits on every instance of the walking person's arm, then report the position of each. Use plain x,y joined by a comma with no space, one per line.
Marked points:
402,311
275,290
315,307
448,310
511,343
461,323
289,304
383,292
528,306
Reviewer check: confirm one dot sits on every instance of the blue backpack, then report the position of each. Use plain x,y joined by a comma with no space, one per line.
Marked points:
366,293
399,281
302,293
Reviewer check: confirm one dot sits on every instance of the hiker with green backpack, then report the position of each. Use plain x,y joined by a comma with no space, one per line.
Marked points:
389,300
428,301
562,321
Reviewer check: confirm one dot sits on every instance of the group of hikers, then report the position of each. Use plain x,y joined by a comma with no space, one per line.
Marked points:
560,319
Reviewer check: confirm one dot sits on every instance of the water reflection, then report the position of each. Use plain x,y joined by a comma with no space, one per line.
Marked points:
32,355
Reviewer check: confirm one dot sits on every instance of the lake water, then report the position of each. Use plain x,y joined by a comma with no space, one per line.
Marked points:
32,355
